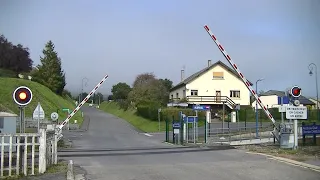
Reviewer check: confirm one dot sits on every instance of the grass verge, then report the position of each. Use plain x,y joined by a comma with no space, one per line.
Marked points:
303,153
140,123
61,167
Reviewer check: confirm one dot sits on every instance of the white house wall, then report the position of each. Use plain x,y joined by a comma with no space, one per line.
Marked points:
180,93
207,86
269,101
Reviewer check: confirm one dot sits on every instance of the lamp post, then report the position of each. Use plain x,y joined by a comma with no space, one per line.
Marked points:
86,81
311,65
257,124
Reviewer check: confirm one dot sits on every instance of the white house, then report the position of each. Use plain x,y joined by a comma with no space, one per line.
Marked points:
272,99
215,85
315,103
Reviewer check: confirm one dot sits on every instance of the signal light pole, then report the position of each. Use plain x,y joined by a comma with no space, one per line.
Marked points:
316,74
22,96
257,123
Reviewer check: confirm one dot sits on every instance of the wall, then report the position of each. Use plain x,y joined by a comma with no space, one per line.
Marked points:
269,101
207,86
179,91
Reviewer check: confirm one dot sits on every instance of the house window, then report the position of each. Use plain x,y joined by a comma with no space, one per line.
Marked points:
184,93
177,95
194,92
235,94
217,75
171,96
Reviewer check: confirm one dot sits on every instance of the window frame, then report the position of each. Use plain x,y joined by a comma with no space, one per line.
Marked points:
233,94
192,92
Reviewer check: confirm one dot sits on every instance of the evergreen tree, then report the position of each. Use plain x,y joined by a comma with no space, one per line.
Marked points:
50,72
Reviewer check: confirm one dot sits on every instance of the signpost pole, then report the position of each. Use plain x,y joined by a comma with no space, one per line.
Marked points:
282,121
159,118
295,126
38,117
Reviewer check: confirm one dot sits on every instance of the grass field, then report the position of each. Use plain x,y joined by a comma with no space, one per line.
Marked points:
142,124
50,102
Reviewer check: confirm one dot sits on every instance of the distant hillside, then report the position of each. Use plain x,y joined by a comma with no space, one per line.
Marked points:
50,102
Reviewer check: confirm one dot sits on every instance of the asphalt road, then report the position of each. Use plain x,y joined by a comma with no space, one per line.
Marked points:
112,150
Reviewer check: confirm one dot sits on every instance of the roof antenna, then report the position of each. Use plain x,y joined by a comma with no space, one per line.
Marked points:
183,72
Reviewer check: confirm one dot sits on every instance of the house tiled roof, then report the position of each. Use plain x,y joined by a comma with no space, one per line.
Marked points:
303,100
201,72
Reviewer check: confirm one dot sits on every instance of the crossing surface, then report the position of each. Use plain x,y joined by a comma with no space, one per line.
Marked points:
112,149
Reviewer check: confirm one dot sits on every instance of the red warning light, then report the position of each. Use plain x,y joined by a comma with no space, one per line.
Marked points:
296,91
22,96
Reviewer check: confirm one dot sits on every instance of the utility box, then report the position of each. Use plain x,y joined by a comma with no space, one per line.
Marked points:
286,140
8,125
233,116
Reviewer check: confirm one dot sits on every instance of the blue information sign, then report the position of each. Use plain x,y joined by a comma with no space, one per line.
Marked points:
310,129
190,119
201,107
176,125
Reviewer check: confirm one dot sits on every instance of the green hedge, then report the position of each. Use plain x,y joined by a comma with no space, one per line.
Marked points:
151,112
148,112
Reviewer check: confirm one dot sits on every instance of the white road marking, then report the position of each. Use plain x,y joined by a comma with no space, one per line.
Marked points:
147,134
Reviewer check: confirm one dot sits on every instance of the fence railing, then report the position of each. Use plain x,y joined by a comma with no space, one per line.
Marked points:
23,153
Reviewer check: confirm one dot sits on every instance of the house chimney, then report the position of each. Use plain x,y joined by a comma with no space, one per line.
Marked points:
209,63
182,74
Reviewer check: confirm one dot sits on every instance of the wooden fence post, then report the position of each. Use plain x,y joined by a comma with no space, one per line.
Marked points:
42,151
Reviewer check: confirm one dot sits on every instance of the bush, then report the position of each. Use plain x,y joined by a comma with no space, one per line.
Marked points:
148,111
173,113
7,73
124,104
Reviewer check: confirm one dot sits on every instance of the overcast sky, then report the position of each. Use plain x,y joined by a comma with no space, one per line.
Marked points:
270,39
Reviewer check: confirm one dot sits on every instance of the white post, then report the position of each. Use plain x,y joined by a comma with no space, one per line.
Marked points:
55,160
42,151
295,126
38,117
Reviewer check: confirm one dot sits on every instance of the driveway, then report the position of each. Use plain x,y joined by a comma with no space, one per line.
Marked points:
112,150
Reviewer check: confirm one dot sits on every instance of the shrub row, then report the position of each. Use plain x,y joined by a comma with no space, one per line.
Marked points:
151,112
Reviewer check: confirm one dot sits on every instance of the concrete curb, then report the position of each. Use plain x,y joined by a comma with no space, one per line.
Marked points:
70,173
289,161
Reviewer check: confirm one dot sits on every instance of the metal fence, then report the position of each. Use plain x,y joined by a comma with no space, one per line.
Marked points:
23,153
223,133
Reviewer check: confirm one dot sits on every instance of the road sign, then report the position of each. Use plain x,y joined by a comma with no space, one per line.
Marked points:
54,116
38,112
282,109
22,95
190,119
293,112
176,125
310,129
200,107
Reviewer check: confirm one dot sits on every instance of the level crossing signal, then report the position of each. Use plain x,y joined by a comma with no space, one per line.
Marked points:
22,96
295,91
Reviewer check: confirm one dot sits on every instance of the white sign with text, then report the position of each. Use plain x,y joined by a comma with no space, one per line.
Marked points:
296,112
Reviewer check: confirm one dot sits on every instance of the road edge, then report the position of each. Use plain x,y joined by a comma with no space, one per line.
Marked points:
289,161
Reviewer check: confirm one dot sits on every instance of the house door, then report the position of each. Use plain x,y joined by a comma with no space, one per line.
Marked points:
218,96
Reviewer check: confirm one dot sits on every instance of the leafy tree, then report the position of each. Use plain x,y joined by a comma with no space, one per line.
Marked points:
167,83
110,97
14,57
50,72
120,91
81,96
66,93
148,90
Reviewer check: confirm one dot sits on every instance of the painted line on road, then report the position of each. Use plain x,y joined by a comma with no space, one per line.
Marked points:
149,135
289,161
